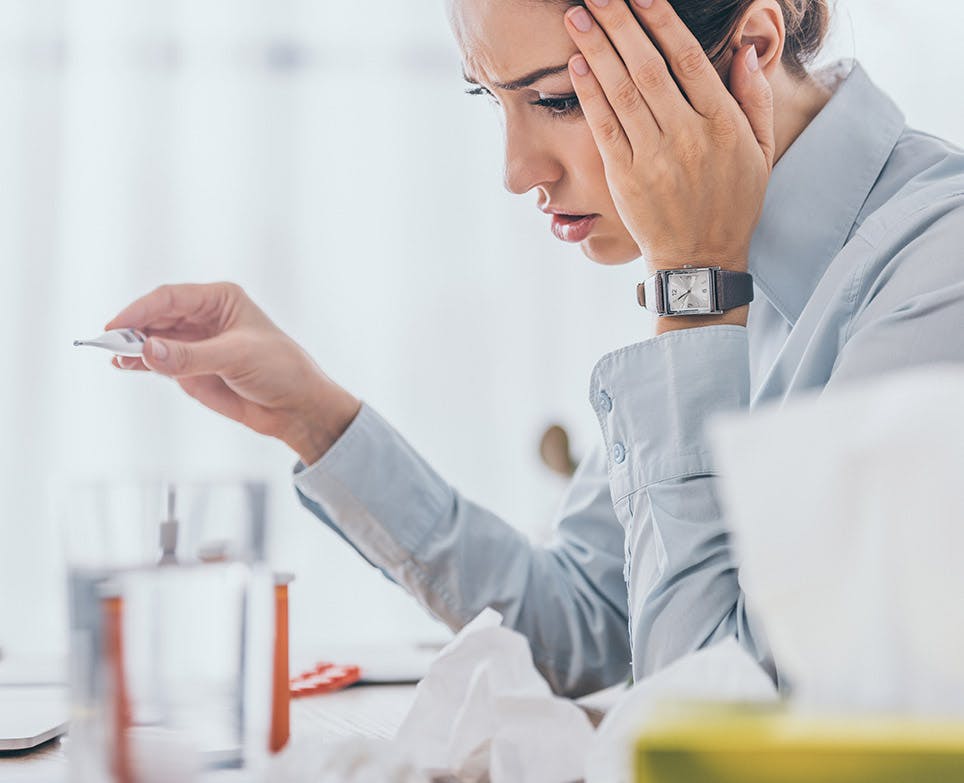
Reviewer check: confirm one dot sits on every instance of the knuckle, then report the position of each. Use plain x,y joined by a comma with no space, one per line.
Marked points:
651,74
626,95
619,21
610,131
691,63
659,20
723,127
182,358
596,48
232,290
166,296
764,99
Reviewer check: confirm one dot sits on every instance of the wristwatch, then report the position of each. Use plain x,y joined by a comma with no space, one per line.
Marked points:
690,290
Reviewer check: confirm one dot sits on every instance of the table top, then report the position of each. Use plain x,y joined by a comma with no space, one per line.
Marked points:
368,710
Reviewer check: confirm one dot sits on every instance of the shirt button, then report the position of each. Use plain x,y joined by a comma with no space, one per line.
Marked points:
605,402
619,452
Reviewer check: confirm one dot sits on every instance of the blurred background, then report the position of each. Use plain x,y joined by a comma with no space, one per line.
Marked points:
324,156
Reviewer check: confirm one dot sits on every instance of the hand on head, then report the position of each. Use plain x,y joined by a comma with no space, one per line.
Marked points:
687,161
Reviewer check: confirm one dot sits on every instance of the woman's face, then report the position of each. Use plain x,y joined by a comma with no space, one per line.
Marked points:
517,51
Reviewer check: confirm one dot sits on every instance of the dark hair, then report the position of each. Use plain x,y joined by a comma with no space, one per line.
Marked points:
713,22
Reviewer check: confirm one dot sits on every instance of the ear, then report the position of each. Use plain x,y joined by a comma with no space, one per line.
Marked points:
763,26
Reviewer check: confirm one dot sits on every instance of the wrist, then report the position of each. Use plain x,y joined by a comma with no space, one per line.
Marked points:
732,260
322,419
735,317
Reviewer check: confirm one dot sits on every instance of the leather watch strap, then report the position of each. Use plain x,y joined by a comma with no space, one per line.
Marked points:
649,294
733,289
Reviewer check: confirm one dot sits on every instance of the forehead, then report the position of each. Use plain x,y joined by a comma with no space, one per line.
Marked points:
503,39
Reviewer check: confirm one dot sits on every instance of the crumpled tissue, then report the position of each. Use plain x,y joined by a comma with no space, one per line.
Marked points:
848,517
481,713
723,672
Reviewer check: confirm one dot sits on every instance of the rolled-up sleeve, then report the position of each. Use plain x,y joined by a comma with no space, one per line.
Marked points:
455,557
653,400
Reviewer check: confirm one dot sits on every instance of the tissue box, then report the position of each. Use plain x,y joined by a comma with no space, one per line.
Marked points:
744,744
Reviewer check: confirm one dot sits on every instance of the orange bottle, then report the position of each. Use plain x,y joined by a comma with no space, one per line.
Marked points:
281,695
119,710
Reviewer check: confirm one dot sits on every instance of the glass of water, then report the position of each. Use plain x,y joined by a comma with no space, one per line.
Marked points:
171,620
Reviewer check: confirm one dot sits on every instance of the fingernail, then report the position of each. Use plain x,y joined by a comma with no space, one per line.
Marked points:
644,3
579,65
752,63
581,20
600,3
158,349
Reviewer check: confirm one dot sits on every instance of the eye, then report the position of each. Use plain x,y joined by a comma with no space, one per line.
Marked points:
563,106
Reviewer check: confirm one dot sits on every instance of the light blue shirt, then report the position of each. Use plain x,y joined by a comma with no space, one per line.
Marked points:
858,264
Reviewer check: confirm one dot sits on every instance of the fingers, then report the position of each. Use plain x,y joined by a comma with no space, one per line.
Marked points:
609,79
755,97
169,304
692,68
185,359
129,363
607,131
618,36
214,393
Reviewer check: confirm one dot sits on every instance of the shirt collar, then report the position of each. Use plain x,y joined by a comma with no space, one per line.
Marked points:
818,187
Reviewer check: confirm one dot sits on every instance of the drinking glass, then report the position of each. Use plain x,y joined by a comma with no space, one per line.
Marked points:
171,618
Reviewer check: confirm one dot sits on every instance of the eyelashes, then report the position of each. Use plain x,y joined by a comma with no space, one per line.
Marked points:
563,106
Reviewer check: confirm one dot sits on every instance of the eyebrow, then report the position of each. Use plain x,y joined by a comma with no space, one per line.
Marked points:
525,81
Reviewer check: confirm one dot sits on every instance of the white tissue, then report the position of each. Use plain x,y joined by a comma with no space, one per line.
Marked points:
723,672
848,512
481,713
483,709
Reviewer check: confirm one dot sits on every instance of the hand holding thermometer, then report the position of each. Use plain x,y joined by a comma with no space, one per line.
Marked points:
120,342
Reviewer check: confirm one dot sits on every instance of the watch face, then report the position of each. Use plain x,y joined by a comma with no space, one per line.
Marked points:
689,292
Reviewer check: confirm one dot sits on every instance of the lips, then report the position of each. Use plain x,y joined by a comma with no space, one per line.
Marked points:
572,228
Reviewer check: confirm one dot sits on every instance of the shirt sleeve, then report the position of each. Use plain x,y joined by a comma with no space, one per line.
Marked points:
653,400
456,558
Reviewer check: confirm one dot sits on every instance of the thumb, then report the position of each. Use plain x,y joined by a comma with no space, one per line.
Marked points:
182,359
752,91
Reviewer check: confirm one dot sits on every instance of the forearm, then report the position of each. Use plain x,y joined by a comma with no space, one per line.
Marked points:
456,558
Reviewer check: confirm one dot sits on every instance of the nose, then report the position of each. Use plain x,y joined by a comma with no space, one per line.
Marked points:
529,159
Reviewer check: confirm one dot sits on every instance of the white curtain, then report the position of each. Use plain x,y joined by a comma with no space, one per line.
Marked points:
322,155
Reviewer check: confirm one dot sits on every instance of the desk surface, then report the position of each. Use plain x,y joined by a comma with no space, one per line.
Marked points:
370,710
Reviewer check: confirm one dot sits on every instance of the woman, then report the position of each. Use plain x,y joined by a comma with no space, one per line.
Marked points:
643,139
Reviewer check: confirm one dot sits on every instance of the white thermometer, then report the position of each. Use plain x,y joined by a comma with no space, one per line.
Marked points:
120,342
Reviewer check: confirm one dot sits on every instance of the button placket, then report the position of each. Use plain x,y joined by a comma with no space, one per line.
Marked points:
619,452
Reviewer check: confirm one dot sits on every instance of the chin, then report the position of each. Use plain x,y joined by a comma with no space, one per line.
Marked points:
610,250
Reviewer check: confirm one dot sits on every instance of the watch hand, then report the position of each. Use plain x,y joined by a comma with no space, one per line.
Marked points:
682,295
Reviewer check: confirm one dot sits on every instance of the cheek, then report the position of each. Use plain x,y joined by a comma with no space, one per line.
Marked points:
611,243
587,163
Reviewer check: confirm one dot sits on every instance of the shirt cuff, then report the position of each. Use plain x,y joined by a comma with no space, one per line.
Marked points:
654,398
376,490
